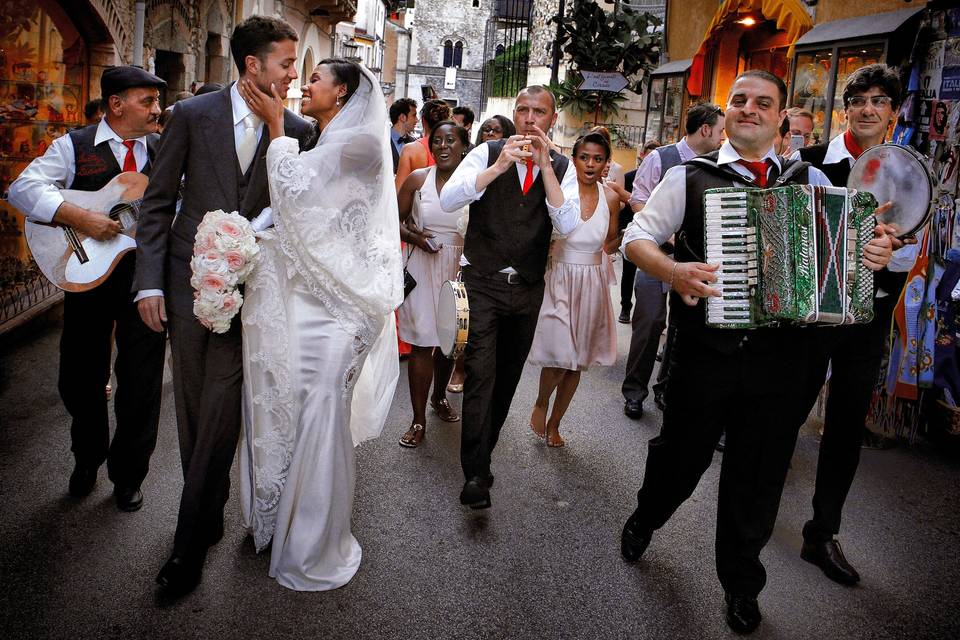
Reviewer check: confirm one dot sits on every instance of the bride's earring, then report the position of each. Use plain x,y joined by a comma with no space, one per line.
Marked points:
338,101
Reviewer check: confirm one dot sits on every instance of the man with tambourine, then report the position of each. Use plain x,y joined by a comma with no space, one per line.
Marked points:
853,353
744,381
87,159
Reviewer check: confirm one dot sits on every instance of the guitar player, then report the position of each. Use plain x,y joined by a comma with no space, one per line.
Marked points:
86,159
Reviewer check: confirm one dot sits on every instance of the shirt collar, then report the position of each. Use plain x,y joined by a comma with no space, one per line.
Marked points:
105,132
394,136
837,151
239,105
729,155
686,153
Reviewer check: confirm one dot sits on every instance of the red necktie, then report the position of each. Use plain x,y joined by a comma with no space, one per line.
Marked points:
759,171
130,161
528,179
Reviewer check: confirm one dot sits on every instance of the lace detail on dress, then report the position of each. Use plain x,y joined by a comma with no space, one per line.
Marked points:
292,178
268,369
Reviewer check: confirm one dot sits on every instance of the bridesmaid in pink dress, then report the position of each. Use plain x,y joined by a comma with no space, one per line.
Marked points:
576,329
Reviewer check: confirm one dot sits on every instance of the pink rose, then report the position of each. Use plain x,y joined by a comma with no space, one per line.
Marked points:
229,303
235,260
203,244
229,228
213,282
212,255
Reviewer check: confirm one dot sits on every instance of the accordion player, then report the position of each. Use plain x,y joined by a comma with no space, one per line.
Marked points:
788,254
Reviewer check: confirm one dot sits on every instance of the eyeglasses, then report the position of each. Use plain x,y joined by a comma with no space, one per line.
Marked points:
859,102
491,130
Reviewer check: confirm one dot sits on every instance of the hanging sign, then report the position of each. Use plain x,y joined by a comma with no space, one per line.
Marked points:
602,81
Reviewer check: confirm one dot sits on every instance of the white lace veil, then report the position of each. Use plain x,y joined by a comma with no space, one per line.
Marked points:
335,210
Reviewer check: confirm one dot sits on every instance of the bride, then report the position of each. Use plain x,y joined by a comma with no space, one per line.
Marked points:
320,358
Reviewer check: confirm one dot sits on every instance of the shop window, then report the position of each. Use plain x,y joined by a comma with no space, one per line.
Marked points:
665,108
819,76
42,62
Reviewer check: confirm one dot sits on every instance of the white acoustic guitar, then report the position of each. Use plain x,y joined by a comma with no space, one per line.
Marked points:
75,262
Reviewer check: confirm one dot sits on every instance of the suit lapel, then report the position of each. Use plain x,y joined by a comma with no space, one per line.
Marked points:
223,149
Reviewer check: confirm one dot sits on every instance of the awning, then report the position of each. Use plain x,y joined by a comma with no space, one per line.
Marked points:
672,67
788,15
880,24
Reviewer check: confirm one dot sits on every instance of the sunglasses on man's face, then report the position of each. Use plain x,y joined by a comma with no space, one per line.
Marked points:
491,130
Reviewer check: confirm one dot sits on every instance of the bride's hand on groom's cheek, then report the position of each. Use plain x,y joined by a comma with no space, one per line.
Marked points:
268,108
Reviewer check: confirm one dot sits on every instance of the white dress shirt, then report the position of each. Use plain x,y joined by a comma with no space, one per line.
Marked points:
663,214
650,171
836,151
36,192
461,190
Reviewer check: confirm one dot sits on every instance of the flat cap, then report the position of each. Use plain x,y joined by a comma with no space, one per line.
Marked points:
117,79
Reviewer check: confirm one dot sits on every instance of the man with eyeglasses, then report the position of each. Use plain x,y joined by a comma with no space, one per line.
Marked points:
871,98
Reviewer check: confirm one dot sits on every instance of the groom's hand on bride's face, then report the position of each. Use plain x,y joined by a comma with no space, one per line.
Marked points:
152,312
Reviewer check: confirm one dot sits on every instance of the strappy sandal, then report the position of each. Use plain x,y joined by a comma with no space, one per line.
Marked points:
444,411
413,437
455,388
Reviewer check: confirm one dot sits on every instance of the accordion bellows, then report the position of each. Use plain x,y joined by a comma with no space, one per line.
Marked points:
789,254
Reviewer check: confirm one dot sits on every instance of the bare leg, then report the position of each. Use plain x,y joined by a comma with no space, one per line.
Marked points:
568,387
419,374
459,375
442,366
550,377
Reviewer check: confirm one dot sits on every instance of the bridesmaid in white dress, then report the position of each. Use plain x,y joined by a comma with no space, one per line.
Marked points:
436,246
576,329
320,357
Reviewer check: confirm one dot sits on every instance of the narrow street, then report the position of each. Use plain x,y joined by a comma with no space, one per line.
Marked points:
544,562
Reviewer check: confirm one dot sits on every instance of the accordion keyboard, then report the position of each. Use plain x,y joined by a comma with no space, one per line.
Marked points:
731,242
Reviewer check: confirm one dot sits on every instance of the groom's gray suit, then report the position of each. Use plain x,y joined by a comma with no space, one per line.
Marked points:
198,144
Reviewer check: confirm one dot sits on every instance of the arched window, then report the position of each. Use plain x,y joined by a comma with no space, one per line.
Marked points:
448,54
458,54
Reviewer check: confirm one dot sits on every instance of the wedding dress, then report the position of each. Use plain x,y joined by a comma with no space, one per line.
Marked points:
320,358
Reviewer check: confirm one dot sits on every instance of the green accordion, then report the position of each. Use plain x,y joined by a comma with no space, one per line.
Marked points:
789,254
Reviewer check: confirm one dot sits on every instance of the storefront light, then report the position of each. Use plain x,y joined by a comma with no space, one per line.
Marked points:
749,21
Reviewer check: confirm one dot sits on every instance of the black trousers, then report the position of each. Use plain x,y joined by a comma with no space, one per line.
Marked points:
85,348
207,387
626,284
503,320
855,352
749,393
647,323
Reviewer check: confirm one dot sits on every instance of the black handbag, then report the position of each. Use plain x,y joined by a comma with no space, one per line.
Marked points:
409,283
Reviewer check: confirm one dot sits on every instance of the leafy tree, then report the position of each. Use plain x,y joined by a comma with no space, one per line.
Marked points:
596,40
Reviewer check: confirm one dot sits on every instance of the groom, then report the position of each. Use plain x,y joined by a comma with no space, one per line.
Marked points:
218,147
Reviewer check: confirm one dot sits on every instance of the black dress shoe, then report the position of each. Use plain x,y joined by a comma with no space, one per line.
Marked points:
634,539
489,481
128,498
659,401
476,493
624,317
633,409
829,557
743,613
180,575
82,481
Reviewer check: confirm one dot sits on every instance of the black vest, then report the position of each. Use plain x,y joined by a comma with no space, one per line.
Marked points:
703,173
508,228
95,166
838,172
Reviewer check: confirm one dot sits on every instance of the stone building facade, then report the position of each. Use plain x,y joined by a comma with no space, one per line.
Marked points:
438,27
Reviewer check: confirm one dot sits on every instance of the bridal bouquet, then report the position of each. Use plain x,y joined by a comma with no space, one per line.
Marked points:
224,254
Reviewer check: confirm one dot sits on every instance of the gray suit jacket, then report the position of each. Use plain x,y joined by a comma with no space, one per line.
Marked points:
198,144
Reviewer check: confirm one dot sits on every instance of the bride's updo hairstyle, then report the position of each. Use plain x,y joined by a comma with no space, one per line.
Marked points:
344,72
